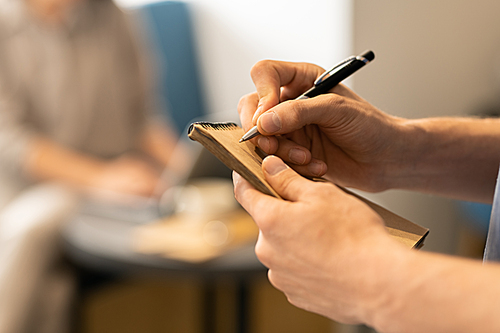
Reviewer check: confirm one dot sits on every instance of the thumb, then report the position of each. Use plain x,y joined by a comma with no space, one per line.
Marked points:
285,181
267,99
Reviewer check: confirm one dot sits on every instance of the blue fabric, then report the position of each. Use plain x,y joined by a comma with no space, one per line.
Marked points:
477,215
492,249
171,33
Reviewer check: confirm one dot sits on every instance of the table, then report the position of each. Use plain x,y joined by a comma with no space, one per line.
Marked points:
105,245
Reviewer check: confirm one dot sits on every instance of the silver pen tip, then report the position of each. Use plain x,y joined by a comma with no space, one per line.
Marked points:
252,133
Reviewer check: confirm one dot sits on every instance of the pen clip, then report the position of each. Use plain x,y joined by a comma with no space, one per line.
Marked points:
335,68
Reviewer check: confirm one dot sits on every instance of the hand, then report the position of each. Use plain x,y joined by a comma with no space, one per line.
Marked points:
326,250
337,135
127,175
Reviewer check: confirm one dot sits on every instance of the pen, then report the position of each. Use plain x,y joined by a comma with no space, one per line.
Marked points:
327,81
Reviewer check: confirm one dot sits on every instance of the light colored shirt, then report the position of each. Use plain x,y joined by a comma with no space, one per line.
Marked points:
492,249
81,84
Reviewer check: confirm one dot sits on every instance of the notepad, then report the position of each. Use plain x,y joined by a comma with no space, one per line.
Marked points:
221,139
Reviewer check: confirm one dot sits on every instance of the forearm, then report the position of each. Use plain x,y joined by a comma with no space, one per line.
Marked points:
435,293
47,160
455,157
159,142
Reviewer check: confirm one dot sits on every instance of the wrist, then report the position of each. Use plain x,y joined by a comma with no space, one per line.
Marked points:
394,273
408,151
400,151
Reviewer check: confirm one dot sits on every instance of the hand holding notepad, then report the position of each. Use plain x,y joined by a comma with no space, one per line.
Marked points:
221,139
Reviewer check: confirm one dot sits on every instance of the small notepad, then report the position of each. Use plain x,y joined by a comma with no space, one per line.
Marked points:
221,139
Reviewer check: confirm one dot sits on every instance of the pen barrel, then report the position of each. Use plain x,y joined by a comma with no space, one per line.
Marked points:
337,77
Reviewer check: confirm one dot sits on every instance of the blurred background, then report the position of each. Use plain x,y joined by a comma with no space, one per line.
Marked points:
432,59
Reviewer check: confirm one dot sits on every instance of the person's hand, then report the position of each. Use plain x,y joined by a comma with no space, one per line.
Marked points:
326,250
127,175
337,135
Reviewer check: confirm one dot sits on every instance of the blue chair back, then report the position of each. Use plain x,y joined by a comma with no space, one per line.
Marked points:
171,33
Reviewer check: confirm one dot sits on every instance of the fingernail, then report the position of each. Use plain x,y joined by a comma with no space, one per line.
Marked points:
264,143
270,122
256,114
297,156
274,165
316,168
236,177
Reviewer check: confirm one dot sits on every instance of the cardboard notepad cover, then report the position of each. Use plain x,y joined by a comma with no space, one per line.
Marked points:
221,139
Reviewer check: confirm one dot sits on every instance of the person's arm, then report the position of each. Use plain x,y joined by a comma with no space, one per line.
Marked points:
161,143
330,254
454,157
352,143
47,160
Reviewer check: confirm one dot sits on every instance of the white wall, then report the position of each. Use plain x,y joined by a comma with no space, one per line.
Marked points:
433,58
233,35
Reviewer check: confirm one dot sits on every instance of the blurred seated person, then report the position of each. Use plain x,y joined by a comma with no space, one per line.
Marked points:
75,112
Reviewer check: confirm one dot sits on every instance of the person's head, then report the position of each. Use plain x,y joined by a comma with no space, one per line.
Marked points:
51,11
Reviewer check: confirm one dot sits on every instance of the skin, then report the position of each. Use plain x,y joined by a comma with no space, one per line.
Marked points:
51,12
130,174
327,251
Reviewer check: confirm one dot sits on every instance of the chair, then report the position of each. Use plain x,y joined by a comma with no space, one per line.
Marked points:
169,27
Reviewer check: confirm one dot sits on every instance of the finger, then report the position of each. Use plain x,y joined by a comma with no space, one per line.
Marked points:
326,111
269,144
269,76
298,158
264,251
292,152
246,109
314,169
287,150
286,182
263,208
245,193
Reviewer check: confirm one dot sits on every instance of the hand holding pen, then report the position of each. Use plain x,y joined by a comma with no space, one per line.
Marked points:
327,81
336,135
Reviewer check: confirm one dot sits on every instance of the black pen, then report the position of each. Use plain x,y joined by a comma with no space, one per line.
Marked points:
327,81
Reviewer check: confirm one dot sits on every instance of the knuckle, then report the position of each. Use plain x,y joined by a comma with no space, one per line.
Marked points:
295,301
261,65
236,190
265,223
237,187
275,279
244,101
263,217
299,302
263,253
